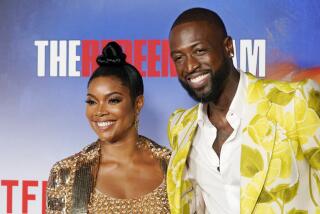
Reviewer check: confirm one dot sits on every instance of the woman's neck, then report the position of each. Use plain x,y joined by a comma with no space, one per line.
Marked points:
122,150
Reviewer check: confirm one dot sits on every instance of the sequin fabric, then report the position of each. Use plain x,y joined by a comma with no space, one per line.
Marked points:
155,202
72,180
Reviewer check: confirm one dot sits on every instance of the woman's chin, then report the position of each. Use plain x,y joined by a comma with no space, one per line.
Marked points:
104,138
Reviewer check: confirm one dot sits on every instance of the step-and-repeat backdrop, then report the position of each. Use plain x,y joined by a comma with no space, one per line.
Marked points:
48,50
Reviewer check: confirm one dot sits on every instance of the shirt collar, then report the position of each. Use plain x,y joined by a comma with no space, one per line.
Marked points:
202,113
239,99
237,104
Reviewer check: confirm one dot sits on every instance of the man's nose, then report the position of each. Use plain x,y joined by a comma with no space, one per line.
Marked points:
192,64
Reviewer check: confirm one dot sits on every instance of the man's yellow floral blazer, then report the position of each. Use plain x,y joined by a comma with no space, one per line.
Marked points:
280,151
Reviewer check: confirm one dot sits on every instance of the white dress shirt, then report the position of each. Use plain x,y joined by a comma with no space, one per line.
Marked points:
220,188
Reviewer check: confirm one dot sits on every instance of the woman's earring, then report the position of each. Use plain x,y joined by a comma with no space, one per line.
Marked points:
231,54
136,122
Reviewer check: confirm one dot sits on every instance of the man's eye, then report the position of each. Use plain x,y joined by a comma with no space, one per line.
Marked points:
177,58
90,102
114,101
201,51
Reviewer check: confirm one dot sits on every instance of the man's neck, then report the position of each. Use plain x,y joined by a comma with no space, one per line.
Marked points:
223,103
217,111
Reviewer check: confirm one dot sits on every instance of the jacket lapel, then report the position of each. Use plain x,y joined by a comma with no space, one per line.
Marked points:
258,139
84,180
183,133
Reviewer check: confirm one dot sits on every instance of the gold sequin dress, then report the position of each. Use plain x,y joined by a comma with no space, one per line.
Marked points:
71,186
155,202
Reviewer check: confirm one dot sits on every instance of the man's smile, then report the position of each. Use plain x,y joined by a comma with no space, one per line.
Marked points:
198,80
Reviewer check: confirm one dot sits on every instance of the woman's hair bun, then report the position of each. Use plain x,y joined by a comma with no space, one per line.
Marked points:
112,54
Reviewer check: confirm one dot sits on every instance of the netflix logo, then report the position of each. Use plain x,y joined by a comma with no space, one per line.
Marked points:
23,196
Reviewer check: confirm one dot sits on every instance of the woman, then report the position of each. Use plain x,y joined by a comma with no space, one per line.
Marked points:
122,172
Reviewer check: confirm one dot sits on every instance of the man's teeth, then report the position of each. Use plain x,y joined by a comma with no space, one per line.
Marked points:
198,78
104,124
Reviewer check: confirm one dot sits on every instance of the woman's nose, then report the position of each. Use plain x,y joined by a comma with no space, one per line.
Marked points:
101,111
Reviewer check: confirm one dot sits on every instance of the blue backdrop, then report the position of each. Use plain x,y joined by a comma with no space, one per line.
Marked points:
42,119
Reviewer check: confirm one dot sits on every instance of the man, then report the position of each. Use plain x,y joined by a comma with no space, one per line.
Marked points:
250,145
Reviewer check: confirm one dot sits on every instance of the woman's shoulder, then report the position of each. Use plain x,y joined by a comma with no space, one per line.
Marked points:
69,162
61,170
65,163
63,174
159,151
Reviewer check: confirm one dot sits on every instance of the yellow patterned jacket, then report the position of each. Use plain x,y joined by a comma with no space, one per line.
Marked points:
280,151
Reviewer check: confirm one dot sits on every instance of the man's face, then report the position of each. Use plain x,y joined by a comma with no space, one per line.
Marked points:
199,53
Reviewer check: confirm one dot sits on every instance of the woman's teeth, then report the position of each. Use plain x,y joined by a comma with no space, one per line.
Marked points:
105,124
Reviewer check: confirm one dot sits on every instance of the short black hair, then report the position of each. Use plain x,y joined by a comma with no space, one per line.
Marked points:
200,14
112,62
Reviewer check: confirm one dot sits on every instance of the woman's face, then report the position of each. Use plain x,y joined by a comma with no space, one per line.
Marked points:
109,110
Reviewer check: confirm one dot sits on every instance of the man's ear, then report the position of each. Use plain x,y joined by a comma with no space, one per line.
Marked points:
228,44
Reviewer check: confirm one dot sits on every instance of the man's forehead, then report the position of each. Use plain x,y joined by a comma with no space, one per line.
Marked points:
192,24
194,29
199,26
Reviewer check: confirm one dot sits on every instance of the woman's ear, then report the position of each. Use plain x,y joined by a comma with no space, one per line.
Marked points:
139,104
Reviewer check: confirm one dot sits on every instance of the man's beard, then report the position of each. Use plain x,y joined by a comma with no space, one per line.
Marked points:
216,84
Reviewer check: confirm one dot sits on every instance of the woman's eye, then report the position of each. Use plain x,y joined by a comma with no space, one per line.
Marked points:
114,100
90,102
